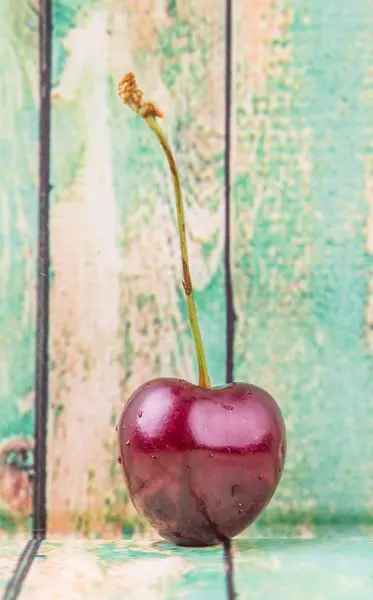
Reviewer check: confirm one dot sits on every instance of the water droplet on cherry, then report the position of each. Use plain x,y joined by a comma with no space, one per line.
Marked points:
234,490
140,414
260,477
127,443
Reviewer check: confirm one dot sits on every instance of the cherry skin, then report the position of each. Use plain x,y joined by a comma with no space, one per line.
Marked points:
201,464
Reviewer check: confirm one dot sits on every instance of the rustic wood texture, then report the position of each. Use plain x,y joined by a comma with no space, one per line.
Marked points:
303,122
18,202
118,316
302,181
339,566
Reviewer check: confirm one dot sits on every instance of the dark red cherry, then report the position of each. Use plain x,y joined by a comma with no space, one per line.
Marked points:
201,464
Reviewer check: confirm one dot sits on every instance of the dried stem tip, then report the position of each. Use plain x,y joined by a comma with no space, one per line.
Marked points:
133,97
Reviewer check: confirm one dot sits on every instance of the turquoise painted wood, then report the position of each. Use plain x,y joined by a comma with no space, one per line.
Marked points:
304,276
336,564
121,317
18,232
301,205
302,172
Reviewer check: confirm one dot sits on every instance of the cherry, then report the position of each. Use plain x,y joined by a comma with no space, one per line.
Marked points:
201,464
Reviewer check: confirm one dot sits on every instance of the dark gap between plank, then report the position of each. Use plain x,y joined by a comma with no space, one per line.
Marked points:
229,572
24,563
230,315
39,524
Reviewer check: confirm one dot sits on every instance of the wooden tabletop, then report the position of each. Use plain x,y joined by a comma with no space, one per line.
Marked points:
330,564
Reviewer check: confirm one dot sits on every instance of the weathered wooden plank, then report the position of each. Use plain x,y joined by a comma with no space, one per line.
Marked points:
339,564
118,314
133,570
302,211
18,183
302,128
331,568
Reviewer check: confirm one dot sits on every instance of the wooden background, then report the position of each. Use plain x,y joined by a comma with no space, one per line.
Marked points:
302,213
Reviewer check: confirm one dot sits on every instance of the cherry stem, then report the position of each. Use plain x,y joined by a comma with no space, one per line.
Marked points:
203,376
133,97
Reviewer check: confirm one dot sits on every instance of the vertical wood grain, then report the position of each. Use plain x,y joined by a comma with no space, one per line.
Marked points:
302,129
301,226
118,312
85,292
18,228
